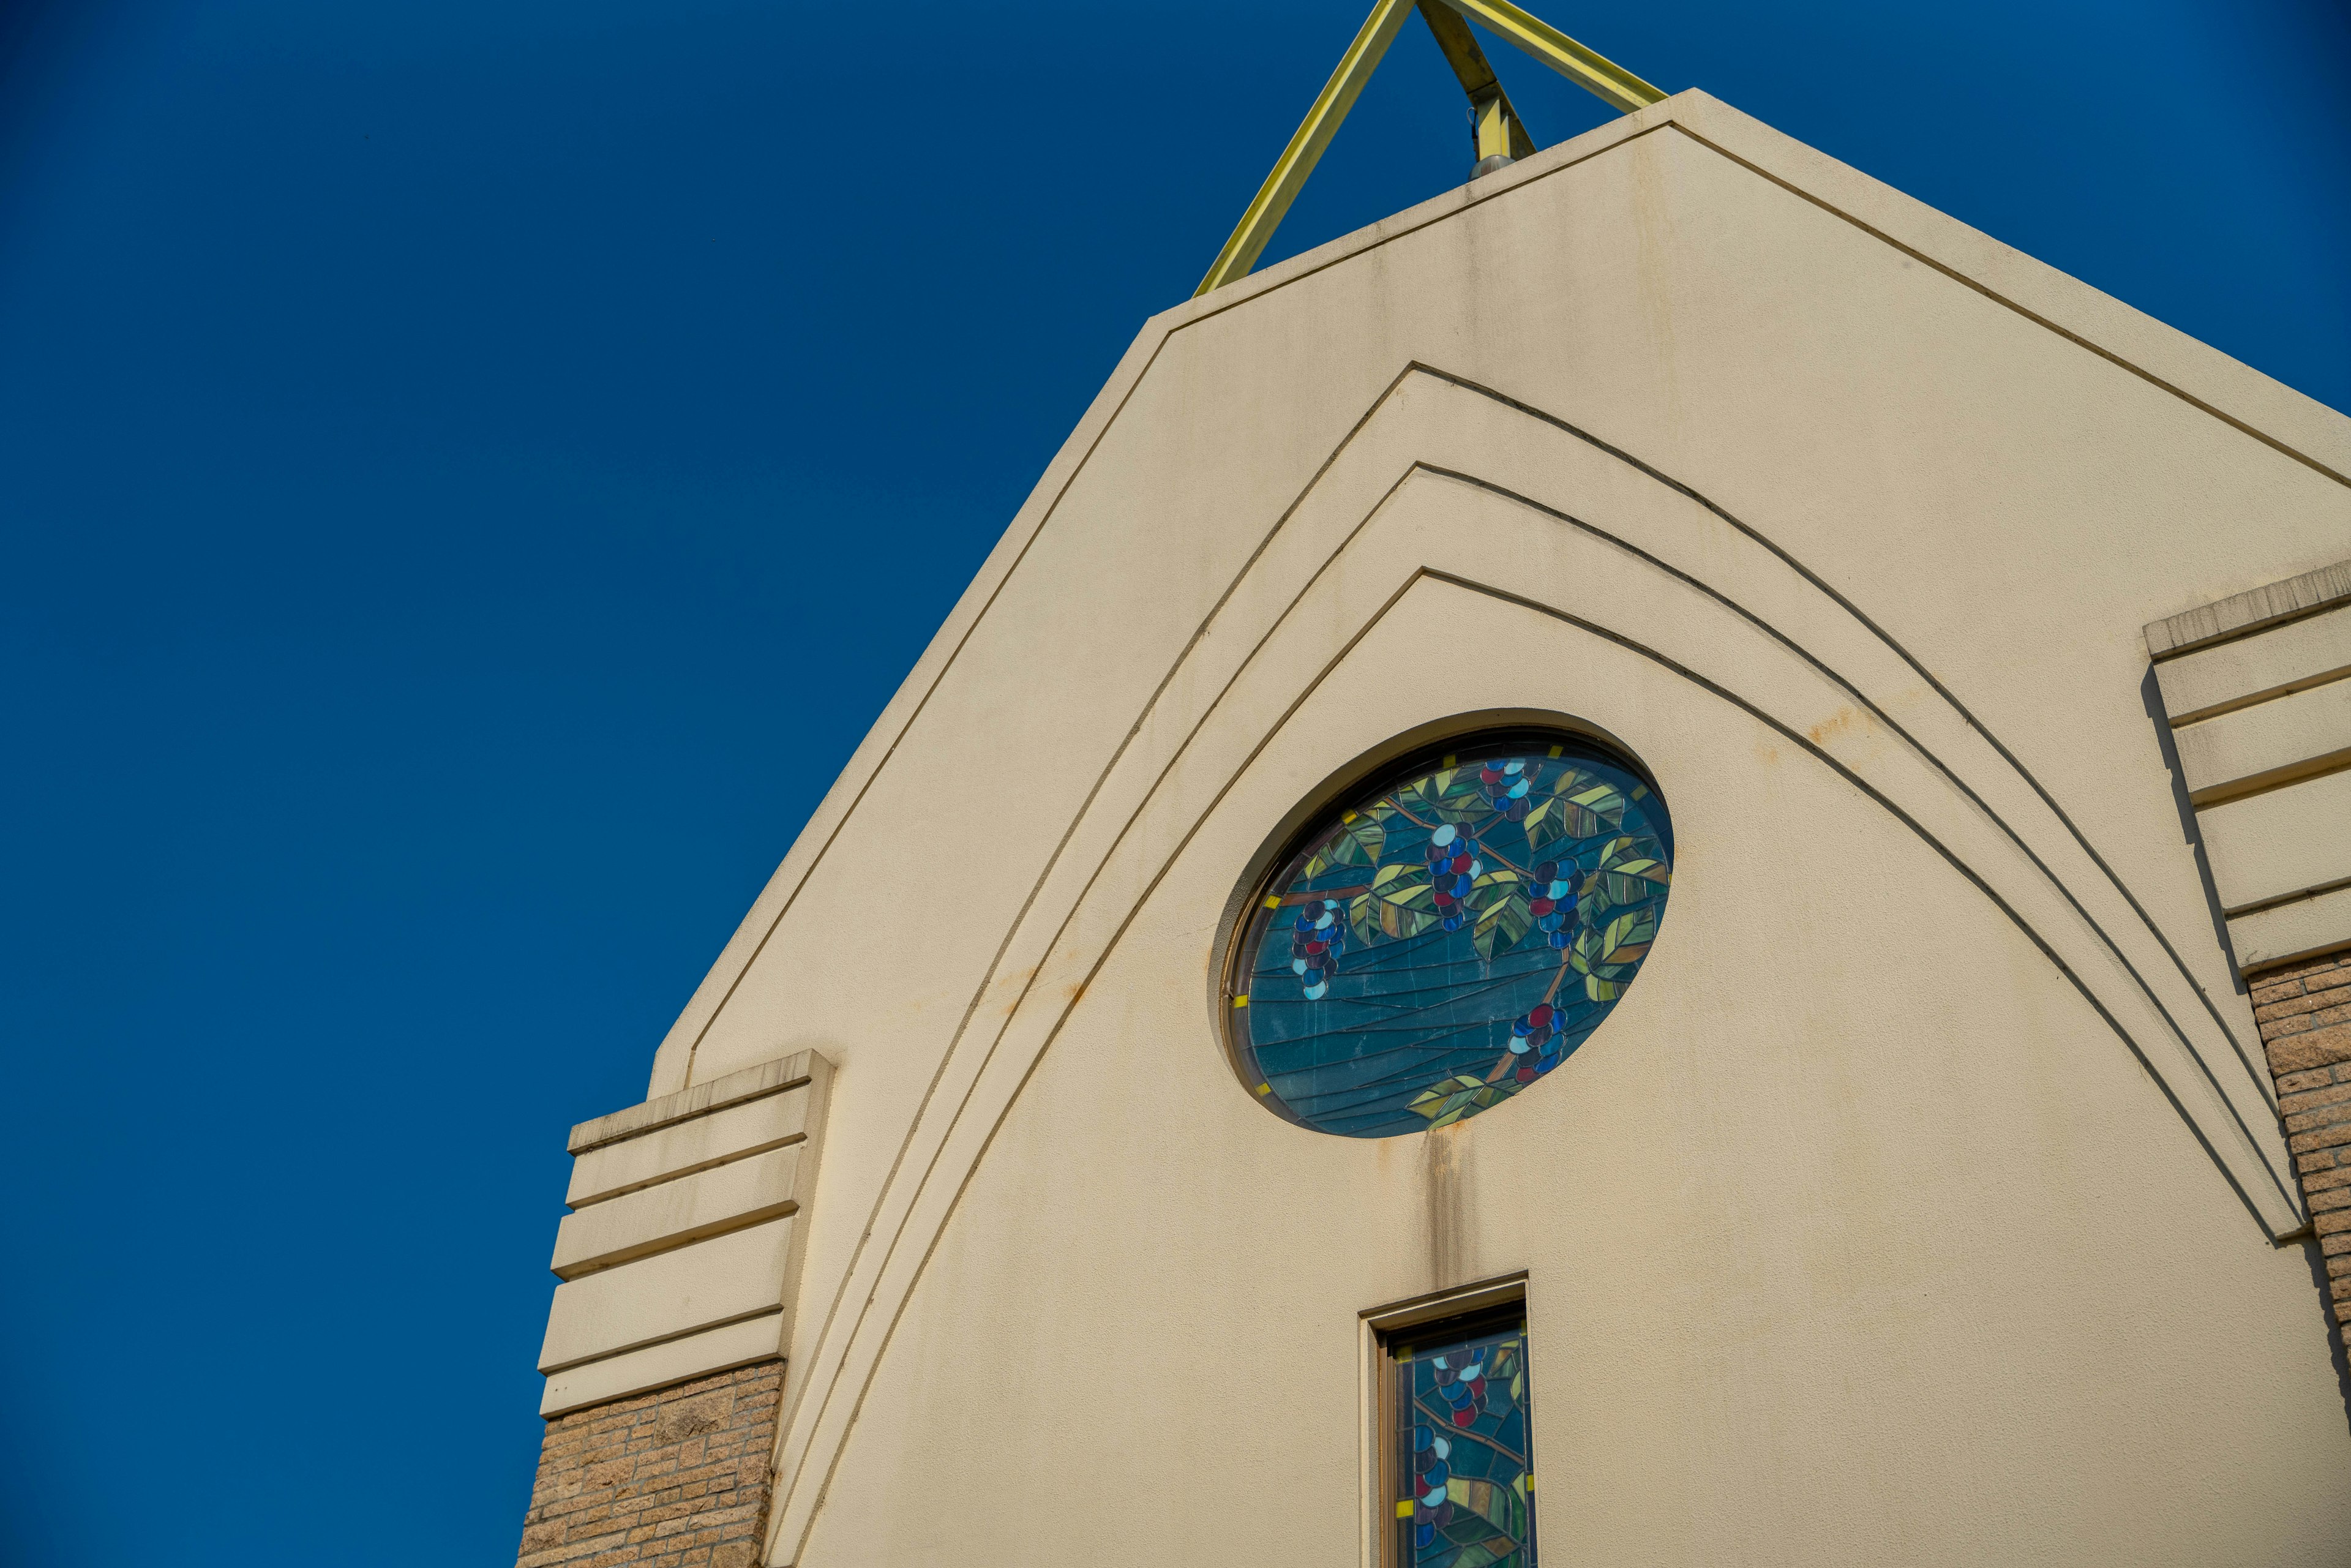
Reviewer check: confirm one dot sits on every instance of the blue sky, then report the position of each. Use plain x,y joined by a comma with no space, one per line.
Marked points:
470,472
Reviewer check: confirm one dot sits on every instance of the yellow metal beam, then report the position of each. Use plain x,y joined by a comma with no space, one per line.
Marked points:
1490,124
1587,69
1305,148
1497,129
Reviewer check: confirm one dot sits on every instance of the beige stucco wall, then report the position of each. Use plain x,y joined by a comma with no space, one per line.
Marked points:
1852,1236
1918,1203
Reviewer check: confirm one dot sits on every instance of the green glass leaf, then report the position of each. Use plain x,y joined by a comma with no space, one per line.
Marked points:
1631,870
1485,1500
1625,890
1414,893
1636,857
1399,922
1588,805
1627,937
1603,801
1503,917
1401,902
1451,1099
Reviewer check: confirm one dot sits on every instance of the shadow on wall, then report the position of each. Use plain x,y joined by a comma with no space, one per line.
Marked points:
2150,697
2313,1250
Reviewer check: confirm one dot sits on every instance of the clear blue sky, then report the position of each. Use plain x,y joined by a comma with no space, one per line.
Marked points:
469,473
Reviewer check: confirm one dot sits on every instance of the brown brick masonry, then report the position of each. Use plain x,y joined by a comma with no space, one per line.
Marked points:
2304,1012
676,1479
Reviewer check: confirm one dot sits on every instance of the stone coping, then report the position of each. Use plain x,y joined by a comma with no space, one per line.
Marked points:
734,1089
2255,610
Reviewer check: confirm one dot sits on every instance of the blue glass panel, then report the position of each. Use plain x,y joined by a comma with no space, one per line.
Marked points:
1464,1474
1449,937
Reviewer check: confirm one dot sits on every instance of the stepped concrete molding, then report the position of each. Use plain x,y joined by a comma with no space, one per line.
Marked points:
1936,1197
685,1234
2258,691
665,1342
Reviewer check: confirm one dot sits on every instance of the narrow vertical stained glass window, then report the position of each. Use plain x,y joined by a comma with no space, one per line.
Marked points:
1461,1463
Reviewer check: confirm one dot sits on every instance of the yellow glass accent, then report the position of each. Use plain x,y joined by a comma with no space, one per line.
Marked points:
1273,901
1403,1508
1557,749
1265,1088
1241,1001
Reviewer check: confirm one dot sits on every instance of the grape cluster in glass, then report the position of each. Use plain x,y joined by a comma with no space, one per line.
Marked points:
1463,1467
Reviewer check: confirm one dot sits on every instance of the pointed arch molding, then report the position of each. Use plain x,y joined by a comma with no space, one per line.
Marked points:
1451,488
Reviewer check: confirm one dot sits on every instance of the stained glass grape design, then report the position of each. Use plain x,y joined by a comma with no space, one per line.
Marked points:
1447,940
1463,1467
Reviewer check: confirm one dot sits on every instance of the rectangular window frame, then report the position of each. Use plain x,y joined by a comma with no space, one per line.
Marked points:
1380,1329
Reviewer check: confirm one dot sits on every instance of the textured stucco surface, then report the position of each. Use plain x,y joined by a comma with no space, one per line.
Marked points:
1850,1237
1916,1205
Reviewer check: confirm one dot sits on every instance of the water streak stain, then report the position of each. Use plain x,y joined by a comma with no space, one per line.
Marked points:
1446,1196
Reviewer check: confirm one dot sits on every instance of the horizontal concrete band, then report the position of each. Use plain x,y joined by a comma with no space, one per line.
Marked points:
2277,663
2266,745
721,1280
751,1083
2257,688
685,1148
662,1365
678,1257
2285,932
2281,844
678,1213
2241,614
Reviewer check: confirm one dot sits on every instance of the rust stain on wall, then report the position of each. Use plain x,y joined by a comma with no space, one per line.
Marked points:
1445,1196
1846,719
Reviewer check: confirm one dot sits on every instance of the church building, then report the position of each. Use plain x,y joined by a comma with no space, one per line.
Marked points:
1668,827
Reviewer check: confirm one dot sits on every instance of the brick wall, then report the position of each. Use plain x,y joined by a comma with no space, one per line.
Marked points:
676,1479
2304,1011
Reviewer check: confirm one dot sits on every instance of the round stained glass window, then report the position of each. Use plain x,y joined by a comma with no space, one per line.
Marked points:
1445,939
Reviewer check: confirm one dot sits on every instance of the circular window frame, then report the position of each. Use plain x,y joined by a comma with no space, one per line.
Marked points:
1397,758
